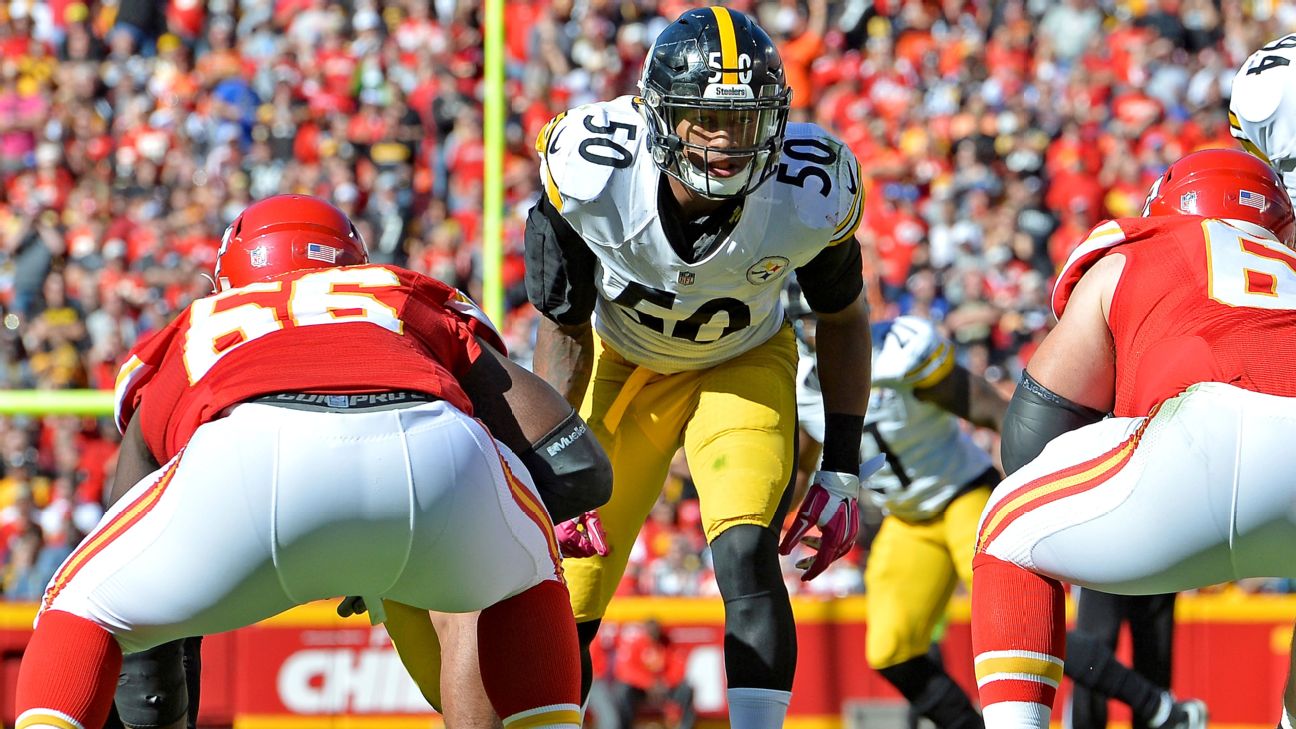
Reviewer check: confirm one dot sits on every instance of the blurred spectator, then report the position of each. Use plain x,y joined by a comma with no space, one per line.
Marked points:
648,672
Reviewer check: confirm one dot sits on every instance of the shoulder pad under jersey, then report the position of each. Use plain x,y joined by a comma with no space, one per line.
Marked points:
476,319
457,302
819,177
909,352
580,149
1262,106
138,369
1105,237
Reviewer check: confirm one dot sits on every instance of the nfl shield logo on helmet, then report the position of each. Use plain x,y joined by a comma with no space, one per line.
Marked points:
260,257
1188,203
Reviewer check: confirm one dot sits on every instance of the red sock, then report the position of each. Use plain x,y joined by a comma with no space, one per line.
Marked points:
1018,632
69,670
530,658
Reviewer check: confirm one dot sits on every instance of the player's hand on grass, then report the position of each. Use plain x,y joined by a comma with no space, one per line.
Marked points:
582,536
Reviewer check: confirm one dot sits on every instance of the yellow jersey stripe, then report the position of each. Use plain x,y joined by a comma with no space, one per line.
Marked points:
1116,461
535,511
855,203
728,44
1251,147
542,139
560,715
551,191
542,147
119,524
849,232
942,370
934,360
124,374
127,377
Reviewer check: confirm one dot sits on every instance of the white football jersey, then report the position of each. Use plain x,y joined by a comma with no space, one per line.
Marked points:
929,457
1262,110
656,309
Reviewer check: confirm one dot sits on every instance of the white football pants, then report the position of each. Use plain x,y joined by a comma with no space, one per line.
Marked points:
270,507
1202,492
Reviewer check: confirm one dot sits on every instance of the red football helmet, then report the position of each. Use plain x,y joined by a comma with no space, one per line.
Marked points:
1225,183
286,233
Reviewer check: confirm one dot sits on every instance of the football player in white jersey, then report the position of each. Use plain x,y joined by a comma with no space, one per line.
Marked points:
669,224
936,483
1262,116
1262,109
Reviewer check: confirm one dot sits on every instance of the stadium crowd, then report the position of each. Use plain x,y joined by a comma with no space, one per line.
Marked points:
992,134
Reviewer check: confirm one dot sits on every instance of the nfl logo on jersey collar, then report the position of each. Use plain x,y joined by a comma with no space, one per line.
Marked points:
686,278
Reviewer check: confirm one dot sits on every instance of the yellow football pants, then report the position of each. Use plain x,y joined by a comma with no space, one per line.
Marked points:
911,573
737,424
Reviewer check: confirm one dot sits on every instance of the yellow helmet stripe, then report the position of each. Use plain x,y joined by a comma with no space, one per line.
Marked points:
728,44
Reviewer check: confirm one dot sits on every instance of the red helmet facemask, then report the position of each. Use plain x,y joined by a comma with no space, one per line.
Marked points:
1225,183
286,233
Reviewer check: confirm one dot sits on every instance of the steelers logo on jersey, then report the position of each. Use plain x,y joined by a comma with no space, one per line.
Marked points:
767,269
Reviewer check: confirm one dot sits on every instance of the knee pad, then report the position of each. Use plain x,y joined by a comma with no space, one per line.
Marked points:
152,691
746,561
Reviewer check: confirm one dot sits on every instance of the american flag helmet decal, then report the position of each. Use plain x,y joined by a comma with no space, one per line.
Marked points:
1253,200
321,252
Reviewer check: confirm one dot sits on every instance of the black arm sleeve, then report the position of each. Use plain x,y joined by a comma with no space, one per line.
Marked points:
571,471
559,267
834,278
1037,415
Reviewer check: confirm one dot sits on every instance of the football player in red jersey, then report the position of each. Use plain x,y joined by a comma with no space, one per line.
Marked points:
322,427
1182,325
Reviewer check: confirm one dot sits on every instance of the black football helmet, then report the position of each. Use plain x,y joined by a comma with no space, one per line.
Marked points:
714,75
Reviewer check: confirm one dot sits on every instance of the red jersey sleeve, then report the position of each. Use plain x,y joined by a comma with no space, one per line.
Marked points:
448,323
138,370
1100,241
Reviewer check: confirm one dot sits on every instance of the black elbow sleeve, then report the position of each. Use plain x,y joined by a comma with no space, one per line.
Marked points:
1037,415
571,471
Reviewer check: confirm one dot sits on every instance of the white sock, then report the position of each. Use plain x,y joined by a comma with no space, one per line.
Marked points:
1163,711
1016,715
756,708
1287,720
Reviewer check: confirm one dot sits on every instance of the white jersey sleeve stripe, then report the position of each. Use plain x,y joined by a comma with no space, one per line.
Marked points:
131,374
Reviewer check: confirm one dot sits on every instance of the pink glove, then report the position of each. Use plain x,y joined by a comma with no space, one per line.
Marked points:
582,536
830,504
